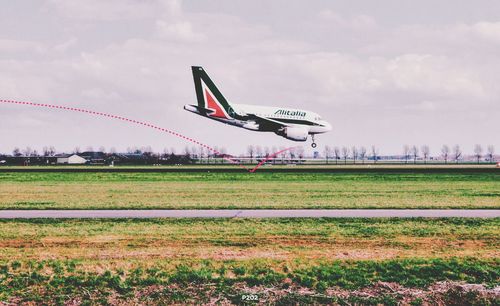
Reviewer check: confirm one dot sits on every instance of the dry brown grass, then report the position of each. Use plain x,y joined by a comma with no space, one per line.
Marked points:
118,243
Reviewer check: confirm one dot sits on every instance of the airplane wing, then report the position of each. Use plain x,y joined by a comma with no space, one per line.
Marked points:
267,122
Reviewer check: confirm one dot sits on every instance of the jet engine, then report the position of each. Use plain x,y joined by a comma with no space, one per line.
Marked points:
296,133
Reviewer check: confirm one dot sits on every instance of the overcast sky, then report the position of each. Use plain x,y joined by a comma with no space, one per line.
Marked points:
384,73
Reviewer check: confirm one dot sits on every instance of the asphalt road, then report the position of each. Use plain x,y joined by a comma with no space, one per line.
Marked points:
254,213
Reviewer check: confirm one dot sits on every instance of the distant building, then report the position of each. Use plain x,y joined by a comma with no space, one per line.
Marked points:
71,160
94,158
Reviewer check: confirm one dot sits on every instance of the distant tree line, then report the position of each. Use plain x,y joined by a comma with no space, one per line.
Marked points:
410,154
133,156
218,155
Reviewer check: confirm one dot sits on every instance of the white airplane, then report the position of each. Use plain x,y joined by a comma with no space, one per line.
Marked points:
293,124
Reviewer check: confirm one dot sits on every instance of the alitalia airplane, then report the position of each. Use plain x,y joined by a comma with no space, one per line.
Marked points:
293,124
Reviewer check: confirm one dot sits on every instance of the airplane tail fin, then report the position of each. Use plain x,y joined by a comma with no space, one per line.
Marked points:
209,97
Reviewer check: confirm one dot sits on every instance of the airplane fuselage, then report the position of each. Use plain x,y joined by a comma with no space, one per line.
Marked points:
292,117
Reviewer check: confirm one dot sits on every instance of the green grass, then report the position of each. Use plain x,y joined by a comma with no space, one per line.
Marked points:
136,261
56,190
62,282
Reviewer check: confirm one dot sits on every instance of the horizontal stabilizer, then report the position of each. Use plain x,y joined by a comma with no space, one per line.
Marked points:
199,109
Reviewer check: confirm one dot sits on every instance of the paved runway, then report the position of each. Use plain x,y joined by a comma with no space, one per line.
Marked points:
254,213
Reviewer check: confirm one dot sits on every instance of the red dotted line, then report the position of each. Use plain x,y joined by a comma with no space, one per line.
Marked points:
268,158
81,110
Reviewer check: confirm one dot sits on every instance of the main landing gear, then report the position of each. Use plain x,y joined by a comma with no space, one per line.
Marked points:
313,144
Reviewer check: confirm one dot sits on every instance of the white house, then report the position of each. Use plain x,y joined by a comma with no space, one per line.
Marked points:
71,160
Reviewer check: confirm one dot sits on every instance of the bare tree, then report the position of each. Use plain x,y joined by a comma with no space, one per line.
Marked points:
491,153
336,153
212,154
90,149
300,153
328,152
16,152
414,153
201,151
222,154
102,149
28,151
406,153
445,151
209,152
48,151
147,150
267,151
478,152
425,153
273,150
165,154
258,151
187,151
374,154
354,151
251,151
457,153
282,155
194,151
362,154
345,154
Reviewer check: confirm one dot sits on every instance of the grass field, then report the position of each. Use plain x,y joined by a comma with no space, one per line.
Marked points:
182,190
276,261
165,260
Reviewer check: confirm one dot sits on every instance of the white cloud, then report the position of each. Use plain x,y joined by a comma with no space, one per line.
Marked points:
172,8
13,47
182,31
436,75
356,22
488,30
341,79
65,46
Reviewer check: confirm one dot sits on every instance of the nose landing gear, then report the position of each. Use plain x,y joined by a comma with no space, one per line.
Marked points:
313,144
